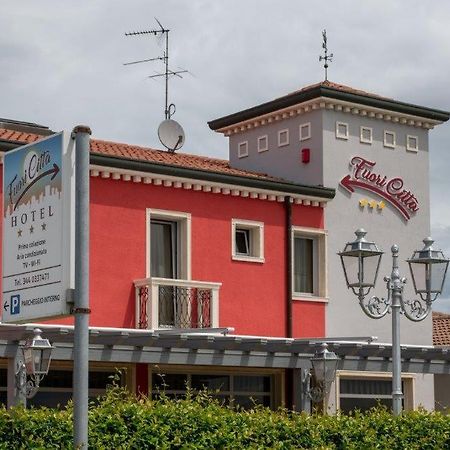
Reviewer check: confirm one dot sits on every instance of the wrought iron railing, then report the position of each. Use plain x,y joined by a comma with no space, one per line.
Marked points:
168,303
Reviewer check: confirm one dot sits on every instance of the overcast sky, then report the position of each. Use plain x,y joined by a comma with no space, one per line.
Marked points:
62,64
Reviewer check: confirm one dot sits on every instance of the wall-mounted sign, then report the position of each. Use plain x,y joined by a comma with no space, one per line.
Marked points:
38,217
391,189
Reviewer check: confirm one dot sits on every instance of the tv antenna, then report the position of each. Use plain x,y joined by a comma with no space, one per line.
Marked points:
169,109
327,57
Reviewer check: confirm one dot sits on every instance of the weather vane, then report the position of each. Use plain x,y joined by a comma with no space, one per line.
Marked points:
327,57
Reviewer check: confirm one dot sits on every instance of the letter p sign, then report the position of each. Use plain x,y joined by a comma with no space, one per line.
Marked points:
15,304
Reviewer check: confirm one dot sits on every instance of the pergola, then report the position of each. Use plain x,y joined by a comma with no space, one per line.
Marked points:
219,347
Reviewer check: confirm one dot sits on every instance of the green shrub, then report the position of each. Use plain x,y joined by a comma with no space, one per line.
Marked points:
122,421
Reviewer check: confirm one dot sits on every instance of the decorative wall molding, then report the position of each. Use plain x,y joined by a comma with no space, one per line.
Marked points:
206,187
330,104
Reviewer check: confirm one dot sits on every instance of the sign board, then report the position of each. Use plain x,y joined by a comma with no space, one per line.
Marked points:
38,230
393,190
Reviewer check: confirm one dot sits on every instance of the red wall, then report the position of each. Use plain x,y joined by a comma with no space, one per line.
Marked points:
252,296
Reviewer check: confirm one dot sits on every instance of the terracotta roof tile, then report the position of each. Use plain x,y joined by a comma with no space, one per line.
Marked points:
135,152
441,329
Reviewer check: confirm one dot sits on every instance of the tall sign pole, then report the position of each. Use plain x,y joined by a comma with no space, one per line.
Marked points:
81,310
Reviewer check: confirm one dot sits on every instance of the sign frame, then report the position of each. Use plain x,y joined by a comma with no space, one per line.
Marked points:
38,230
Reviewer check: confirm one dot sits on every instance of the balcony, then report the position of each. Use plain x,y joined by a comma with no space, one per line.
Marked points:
168,303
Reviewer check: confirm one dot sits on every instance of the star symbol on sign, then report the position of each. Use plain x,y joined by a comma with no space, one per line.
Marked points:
381,204
372,204
363,202
44,226
19,233
31,229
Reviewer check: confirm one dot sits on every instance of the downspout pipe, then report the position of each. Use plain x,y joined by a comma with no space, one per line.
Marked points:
288,211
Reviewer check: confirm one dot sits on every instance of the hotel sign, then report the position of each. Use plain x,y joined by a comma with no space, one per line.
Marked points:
38,217
393,190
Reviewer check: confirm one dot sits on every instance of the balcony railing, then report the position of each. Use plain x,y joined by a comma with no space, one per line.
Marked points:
169,303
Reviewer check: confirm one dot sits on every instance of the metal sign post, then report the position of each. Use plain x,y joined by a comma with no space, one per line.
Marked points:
81,307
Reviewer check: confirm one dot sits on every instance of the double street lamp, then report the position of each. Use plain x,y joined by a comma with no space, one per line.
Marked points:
361,262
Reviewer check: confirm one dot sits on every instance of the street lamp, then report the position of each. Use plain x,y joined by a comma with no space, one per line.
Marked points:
324,364
36,362
361,260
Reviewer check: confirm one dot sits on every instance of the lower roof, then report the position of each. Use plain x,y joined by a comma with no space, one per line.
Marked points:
220,348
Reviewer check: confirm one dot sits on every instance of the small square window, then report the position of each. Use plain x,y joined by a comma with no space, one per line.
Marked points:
305,131
263,143
283,138
365,135
243,149
389,139
341,130
412,143
247,240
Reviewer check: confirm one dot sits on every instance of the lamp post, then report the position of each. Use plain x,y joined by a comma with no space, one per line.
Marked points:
324,365
37,354
361,261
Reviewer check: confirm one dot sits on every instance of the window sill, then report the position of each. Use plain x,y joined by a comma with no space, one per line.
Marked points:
309,298
254,259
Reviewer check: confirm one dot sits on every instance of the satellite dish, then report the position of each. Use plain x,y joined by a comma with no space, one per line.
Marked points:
171,135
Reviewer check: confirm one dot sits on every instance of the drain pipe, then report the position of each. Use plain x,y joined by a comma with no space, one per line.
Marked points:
289,374
288,210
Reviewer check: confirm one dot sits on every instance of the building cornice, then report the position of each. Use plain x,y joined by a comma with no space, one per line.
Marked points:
332,99
221,184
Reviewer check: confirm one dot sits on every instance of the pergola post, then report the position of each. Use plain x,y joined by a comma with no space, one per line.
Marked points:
15,396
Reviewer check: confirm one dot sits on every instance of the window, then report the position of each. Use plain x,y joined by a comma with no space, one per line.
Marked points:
263,143
283,138
309,265
412,143
247,239
168,244
364,391
243,149
305,131
242,389
365,135
341,130
389,139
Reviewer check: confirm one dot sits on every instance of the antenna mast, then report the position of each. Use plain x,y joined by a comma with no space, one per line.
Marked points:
327,57
169,110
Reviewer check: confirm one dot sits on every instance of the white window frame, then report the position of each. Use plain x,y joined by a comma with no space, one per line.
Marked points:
320,280
261,139
243,149
339,135
280,133
256,237
408,147
408,379
385,142
183,219
361,135
301,131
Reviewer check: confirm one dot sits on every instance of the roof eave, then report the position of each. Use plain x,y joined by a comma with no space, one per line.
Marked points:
325,91
217,177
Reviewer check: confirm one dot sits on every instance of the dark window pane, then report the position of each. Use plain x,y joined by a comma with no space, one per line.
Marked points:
58,379
50,399
366,387
363,404
163,249
211,382
252,383
242,241
100,380
3,377
169,381
248,402
303,265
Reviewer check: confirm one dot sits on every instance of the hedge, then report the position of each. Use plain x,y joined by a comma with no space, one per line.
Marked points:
122,421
